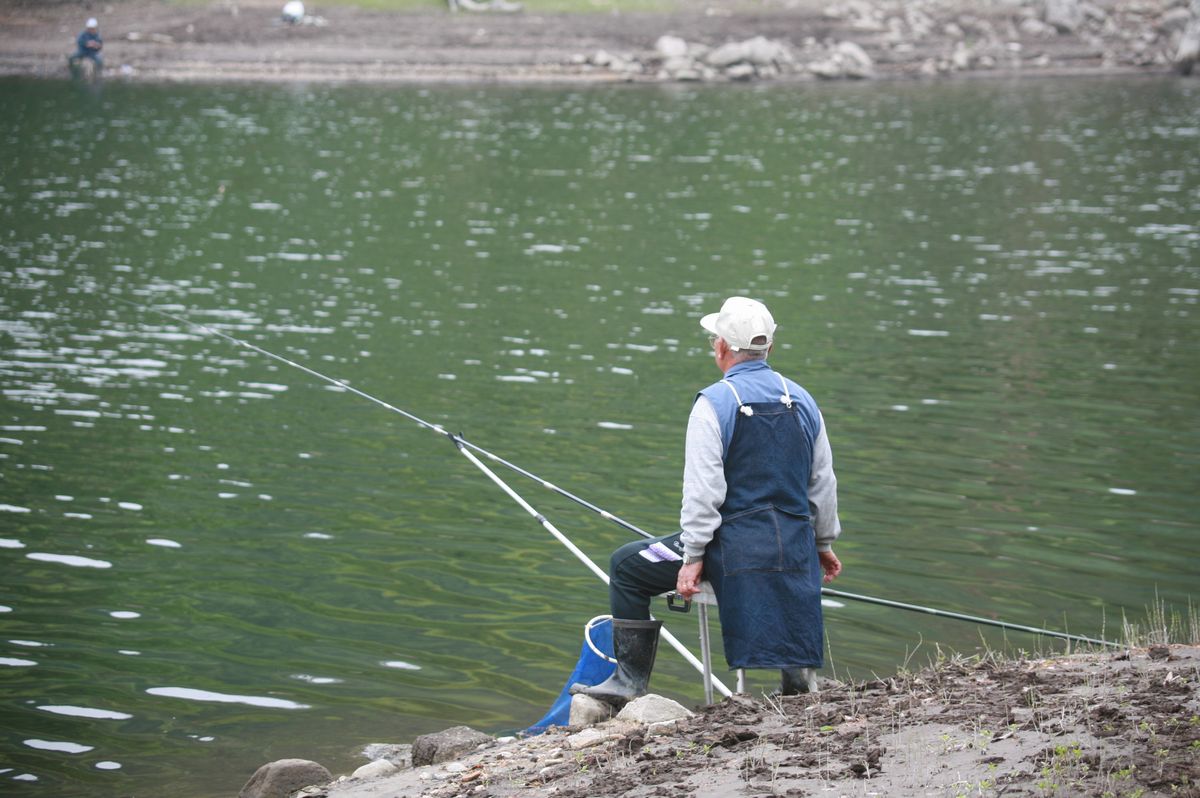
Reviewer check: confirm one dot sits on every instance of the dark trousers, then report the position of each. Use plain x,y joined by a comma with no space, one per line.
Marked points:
635,578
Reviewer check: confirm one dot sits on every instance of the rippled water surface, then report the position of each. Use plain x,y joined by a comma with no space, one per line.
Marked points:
211,560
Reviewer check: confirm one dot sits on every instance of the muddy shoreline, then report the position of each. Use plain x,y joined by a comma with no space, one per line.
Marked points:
1099,724
793,41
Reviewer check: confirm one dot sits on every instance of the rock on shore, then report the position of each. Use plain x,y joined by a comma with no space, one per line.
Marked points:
927,38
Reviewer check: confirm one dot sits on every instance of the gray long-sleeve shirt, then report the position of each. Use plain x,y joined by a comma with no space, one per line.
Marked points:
704,483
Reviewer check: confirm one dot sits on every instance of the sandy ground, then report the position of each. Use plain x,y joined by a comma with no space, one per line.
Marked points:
1125,725
245,39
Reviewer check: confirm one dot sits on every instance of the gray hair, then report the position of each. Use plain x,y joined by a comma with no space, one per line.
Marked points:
745,355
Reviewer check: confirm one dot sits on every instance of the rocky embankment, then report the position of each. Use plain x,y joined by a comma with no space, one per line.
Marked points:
903,38
1123,724
714,41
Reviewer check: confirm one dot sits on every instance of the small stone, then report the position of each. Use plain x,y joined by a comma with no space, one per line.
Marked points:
586,710
741,71
374,770
443,746
455,767
281,778
827,69
1035,27
399,754
653,708
312,791
961,57
1093,11
587,738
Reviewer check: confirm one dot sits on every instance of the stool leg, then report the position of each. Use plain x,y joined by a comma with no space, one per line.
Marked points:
741,688
705,653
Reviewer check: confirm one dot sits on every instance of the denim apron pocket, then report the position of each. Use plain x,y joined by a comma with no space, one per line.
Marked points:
765,539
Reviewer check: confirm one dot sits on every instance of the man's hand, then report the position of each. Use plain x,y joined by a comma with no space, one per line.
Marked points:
830,564
688,582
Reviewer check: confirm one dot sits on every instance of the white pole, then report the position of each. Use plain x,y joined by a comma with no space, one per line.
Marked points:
563,539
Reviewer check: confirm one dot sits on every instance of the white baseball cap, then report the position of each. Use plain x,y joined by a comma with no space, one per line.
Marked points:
741,321
92,23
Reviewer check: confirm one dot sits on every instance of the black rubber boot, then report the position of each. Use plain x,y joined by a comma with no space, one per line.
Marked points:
635,644
794,681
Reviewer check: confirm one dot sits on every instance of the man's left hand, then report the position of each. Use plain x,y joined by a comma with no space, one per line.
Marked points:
830,564
687,584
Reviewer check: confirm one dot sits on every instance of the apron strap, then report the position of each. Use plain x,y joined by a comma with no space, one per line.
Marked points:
745,410
785,397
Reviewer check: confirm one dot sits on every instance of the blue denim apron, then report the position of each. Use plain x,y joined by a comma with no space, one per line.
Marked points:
762,562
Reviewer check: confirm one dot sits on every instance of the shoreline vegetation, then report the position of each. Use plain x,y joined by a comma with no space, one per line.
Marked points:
1117,723
605,41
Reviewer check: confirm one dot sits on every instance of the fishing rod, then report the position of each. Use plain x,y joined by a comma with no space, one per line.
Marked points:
563,539
466,447
463,445
826,591
460,441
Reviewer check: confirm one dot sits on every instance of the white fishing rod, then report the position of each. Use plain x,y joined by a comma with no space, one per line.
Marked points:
563,539
463,443
464,446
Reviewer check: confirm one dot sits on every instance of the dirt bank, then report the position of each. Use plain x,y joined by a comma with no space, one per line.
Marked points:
245,40
1121,725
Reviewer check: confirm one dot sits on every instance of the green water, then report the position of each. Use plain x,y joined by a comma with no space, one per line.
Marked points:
990,288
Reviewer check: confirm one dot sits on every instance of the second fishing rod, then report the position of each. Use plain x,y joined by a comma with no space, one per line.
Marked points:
464,444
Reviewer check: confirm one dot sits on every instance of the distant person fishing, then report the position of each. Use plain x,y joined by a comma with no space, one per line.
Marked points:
87,49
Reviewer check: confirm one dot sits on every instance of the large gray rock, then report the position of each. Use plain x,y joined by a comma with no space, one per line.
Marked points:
281,778
844,60
1065,15
671,46
1189,48
430,749
758,51
858,64
1188,52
